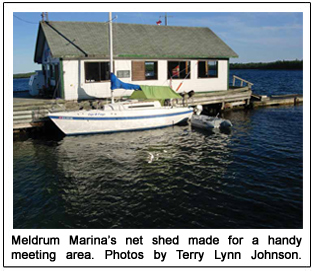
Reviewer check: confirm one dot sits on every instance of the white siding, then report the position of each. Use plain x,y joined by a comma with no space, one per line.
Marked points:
75,86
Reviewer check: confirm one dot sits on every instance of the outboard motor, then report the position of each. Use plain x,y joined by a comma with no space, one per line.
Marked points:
198,109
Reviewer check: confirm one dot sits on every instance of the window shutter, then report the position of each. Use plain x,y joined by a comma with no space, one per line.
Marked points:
138,70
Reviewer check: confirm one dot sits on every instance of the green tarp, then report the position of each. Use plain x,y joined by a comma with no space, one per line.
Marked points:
160,93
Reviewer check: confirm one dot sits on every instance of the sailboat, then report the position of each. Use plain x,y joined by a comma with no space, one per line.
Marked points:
146,109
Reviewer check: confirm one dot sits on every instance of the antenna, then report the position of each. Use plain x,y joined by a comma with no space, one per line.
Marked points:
166,18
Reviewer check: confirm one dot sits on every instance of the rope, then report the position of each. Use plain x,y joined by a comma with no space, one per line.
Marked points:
24,20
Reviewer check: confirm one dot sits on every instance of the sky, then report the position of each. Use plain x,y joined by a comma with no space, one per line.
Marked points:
254,36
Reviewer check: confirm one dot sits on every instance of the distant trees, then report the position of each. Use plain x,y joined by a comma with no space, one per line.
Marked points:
277,65
23,75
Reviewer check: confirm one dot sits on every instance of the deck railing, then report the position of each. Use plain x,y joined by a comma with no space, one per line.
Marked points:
242,81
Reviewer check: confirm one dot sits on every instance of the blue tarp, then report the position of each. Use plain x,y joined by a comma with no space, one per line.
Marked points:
116,83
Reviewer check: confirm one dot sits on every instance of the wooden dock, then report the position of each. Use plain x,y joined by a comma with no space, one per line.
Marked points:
264,100
31,112
235,96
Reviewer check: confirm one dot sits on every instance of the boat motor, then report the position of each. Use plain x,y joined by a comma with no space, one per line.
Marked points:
198,109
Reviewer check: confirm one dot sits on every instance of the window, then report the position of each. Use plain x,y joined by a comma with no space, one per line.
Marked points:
52,71
144,70
141,106
207,69
97,71
150,70
179,69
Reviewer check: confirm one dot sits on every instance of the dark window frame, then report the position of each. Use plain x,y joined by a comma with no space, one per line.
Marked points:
206,62
155,77
184,77
99,71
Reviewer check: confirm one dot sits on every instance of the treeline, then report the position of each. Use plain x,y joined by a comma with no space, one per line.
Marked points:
277,65
22,75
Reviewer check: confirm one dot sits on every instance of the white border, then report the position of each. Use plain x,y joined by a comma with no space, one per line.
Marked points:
181,7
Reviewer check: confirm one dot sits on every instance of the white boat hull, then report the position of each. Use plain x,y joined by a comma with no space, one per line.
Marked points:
99,121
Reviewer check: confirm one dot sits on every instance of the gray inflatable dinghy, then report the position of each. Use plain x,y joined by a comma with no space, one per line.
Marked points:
208,122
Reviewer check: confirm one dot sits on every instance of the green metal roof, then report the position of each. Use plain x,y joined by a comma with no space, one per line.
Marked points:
72,40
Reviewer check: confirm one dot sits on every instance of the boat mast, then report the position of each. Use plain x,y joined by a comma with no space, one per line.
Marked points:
111,50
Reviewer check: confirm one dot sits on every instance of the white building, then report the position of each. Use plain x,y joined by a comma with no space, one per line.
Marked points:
75,58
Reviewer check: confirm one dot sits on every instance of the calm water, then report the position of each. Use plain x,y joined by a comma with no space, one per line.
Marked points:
248,178
20,84
268,82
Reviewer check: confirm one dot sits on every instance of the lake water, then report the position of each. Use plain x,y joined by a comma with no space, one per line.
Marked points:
20,84
251,177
